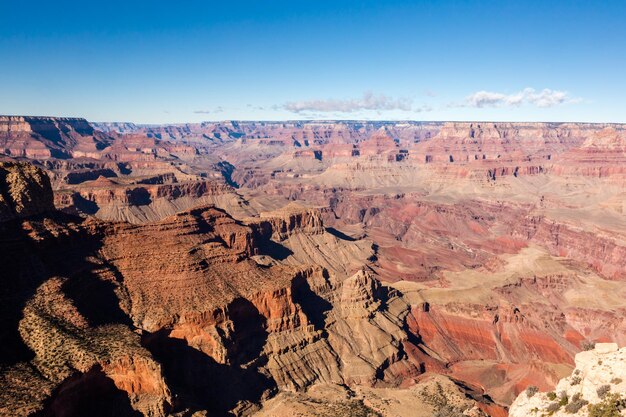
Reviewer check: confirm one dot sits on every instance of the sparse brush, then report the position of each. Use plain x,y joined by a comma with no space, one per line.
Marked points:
603,390
575,404
586,345
611,406
448,411
531,391
358,409
553,407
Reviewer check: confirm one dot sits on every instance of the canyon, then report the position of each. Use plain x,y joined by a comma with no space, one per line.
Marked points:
320,268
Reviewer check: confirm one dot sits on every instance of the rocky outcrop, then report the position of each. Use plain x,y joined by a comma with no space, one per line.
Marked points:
145,200
49,137
291,219
349,332
24,191
368,332
104,191
381,145
596,387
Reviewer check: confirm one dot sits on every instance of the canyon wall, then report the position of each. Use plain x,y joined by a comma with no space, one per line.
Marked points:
247,268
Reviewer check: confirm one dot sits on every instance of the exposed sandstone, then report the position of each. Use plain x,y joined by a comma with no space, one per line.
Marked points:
46,137
24,191
293,218
599,375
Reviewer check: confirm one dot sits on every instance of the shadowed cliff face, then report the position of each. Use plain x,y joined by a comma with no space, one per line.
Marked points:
45,137
67,347
198,382
24,191
89,394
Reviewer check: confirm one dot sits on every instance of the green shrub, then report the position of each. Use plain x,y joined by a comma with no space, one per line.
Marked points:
448,411
552,395
603,390
573,408
575,404
611,406
588,345
575,380
353,408
441,403
563,398
531,390
553,407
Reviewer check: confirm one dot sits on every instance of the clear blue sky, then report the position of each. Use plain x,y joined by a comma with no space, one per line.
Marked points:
164,61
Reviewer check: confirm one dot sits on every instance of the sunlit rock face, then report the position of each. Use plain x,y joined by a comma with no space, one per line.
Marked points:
597,385
49,137
24,191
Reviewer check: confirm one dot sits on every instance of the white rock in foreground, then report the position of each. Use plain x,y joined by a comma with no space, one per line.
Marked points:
603,366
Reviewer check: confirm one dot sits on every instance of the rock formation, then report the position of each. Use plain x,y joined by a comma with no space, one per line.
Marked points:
24,191
596,387
46,137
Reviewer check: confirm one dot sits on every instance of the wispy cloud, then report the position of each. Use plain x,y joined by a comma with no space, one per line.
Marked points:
369,101
424,108
528,96
218,109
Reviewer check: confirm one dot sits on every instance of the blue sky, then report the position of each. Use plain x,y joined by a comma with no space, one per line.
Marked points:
162,62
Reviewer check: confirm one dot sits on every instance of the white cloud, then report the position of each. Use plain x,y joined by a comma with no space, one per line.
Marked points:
218,109
423,108
369,101
528,96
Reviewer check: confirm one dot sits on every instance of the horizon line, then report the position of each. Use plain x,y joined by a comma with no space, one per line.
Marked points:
314,121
